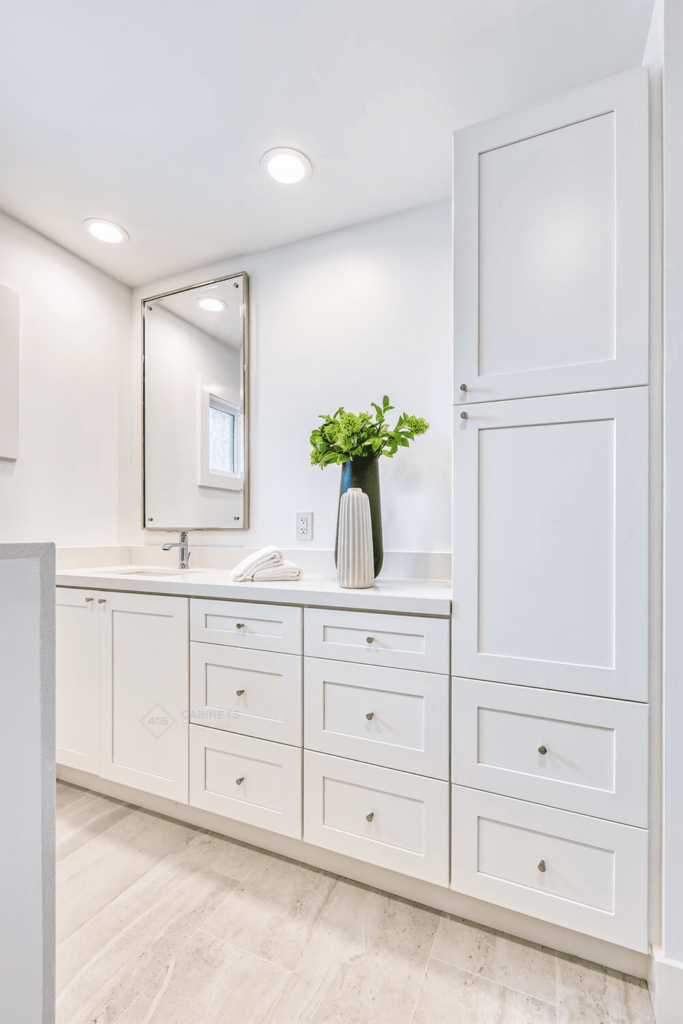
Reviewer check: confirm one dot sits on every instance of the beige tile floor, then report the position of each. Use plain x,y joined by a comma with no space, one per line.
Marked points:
161,923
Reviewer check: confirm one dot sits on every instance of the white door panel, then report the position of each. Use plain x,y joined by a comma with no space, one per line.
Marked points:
145,692
77,679
550,543
551,246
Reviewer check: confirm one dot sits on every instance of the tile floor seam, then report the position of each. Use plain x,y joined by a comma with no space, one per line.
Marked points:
131,924
493,981
249,952
426,967
133,882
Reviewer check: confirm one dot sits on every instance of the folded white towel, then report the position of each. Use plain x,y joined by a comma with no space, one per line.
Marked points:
285,571
265,558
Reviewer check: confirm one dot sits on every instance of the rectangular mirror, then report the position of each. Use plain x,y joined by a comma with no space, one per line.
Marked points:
195,417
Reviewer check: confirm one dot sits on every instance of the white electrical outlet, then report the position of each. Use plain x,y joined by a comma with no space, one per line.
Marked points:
304,526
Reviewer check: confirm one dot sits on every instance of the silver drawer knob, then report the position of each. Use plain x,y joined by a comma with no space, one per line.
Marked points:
370,715
369,639
101,600
463,387
541,866
542,749
239,625
89,599
240,780
370,816
463,415
239,692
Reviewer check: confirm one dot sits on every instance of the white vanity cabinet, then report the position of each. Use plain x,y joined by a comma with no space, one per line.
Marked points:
123,688
551,517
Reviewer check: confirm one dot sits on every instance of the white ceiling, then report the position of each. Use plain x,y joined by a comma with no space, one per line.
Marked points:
155,113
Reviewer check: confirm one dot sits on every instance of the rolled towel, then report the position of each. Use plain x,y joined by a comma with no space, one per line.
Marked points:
265,558
285,571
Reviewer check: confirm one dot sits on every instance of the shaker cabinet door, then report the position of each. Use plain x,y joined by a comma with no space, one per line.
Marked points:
552,246
550,543
78,679
145,692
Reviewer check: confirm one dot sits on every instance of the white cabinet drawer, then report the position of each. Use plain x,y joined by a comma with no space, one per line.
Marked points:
258,627
595,877
256,693
383,715
377,815
247,779
595,759
394,641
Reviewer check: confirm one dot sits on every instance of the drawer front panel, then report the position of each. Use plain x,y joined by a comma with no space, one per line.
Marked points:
251,780
595,759
255,693
384,817
407,727
391,641
579,872
257,627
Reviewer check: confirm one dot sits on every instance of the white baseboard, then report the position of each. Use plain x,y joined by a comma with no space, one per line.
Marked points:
509,921
666,988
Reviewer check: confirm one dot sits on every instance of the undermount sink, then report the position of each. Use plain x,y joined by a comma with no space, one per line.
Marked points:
133,571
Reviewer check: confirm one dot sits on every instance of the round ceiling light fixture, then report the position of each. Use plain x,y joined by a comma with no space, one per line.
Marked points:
288,166
106,230
211,305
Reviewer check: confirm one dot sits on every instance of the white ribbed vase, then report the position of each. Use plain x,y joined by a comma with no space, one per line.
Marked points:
354,556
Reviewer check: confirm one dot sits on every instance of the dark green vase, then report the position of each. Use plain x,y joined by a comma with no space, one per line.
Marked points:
363,472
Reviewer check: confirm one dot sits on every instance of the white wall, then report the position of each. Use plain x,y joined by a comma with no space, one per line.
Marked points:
75,330
340,319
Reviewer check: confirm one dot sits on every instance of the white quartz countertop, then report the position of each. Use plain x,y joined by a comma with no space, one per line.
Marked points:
416,597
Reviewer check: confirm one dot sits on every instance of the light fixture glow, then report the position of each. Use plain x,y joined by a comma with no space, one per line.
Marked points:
105,230
288,166
211,305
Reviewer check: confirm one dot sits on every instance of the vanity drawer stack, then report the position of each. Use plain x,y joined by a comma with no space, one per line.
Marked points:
549,806
376,738
245,712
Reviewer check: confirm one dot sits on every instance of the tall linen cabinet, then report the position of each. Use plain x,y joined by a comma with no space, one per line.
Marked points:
550,546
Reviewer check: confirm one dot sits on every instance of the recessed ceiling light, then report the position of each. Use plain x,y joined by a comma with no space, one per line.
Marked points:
288,166
211,305
105,230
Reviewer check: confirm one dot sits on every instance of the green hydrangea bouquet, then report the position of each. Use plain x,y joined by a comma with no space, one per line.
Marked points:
349,435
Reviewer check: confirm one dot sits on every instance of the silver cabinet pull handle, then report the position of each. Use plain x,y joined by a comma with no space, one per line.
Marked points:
370,715
541,865
101,600
239,625
542,749
369,639
463,387
240,780
89,599
370,816
239,692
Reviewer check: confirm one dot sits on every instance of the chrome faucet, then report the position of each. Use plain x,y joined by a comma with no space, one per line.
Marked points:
184,552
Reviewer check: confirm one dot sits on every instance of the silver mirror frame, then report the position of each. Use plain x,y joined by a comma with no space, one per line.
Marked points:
244,525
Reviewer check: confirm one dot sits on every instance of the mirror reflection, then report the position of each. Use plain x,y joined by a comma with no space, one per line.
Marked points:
194,407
